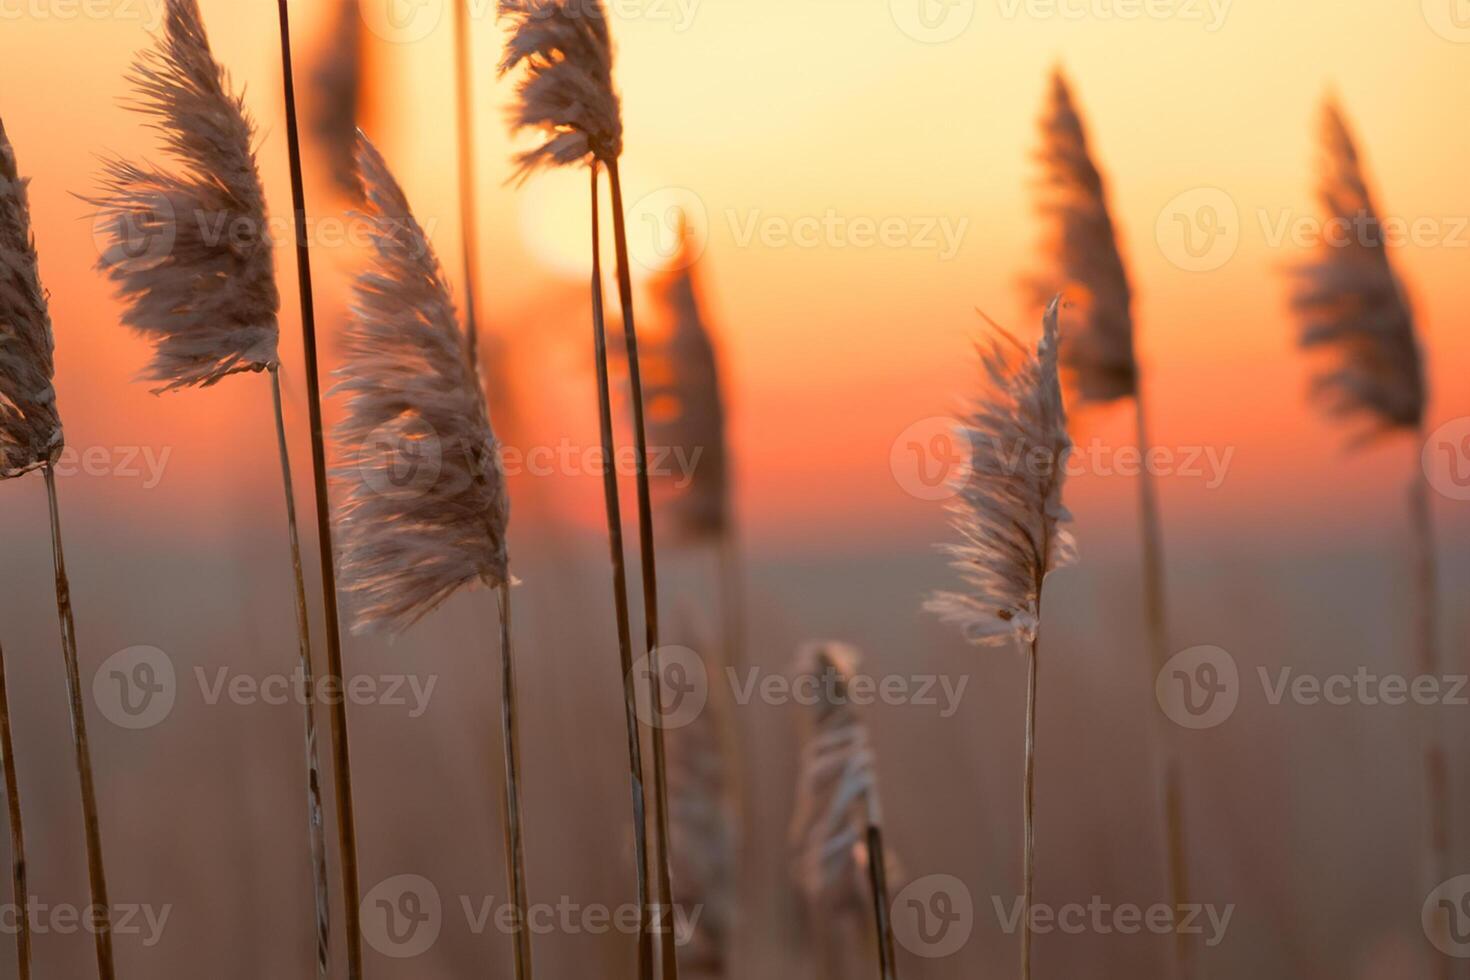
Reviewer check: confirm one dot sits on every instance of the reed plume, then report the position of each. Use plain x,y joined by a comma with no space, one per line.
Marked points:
686,405
414,403
703,834
31,438
566,94
1354,313
338,81
1008,516
1099,361
191,258
837,829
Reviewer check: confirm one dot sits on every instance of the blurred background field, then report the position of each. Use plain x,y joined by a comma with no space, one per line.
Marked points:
1306,819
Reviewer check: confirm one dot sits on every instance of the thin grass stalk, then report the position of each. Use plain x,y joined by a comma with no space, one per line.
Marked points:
620,592
1426,628
316,823
468,207
515,850
342,770
882,910
1170,774
17,835
96,873
1028,869
667,945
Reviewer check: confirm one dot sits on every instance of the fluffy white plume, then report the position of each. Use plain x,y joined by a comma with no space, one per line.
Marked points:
837,792
567,90
686,409
1351,305
1085,265
424,507
338,84
1009,512
190,251
30,428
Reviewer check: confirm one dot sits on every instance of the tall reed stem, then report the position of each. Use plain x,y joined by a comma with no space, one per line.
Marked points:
1170,774
882,914
101,910
515,850
1028,862
620,592
668,951
17,835
468,209
316,823
1426,629
342,769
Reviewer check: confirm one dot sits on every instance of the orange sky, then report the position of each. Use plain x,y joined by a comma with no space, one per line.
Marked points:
774,111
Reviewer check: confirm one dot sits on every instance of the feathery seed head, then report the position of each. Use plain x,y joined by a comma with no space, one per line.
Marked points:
837,792
567,89
1085,263
1008,514
686,405
30,427
424,507
190,253
1351,306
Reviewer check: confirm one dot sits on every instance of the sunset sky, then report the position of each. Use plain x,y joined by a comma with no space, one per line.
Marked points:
850,117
